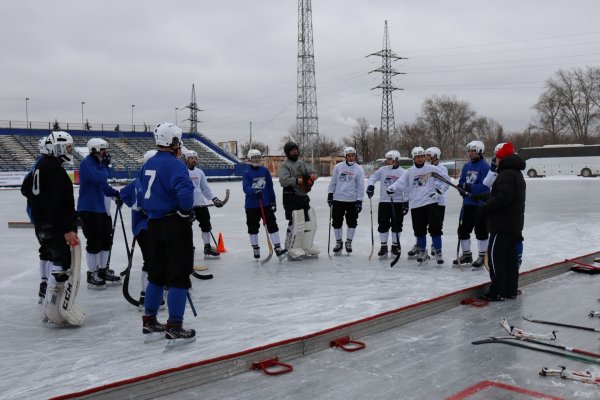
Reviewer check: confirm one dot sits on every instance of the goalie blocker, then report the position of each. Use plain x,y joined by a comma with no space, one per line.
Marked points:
59,306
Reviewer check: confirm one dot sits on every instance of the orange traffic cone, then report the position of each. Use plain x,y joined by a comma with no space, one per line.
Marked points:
221,245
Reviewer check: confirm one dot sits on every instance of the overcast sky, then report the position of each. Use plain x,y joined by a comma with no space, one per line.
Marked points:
241,55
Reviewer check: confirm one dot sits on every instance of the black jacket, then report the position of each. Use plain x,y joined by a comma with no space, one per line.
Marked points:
505,207
50,193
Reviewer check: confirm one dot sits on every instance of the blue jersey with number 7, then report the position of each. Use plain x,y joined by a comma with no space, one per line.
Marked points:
166,185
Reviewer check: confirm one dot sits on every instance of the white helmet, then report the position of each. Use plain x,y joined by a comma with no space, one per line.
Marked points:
167,134
434,152
149,154
393,154
349,150
476,145
498,147
42,145
96,144
57,145
254,156
189,153
417,151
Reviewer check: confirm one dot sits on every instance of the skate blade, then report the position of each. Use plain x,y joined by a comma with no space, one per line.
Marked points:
411,257
172,343
153,337
310,256
207,257
477,268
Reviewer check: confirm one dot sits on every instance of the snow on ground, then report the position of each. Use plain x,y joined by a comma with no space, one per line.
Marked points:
247,304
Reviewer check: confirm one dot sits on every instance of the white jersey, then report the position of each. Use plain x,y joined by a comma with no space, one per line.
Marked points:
441,185
490,178
347,182
387,176
419,196
202,191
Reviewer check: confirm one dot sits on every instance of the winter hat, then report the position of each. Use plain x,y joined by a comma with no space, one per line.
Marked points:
507,149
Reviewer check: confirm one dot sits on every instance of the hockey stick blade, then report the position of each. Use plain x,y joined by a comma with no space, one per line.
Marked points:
225,199
395,260
202,277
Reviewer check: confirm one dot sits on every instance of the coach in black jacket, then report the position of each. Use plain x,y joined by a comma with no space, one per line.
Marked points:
505,209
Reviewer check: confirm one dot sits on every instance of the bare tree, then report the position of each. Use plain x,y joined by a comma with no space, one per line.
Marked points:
263,148
577,93
551,118
326,146
360,140
489,131
410,136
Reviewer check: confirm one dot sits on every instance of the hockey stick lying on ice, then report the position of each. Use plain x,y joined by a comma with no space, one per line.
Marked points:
539,321
203,277
519,333
517,343
563,372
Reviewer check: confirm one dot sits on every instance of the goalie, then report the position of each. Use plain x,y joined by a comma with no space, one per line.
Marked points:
297,179
50,193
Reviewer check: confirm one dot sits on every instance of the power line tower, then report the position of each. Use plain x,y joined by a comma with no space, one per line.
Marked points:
193,112
307,122
387,72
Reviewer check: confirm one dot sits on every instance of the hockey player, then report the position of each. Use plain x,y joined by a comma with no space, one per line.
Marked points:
423,194
97,224
297,179
345,197
387,175
168,200
133,197
45,266
505,212
260,198
202,192
471,180
50,194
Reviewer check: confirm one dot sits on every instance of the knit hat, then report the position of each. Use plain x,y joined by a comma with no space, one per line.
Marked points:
507,149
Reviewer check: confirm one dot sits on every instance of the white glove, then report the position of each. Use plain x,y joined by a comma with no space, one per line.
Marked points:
435,195
390,190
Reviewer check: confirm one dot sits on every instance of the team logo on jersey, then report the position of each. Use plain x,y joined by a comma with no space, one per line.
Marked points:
259,183
389,180
472,177
346,176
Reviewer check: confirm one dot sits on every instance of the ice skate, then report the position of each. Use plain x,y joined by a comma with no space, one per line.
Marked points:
478,263
108,276
280,253
176,335
432,251
465,258
422,256
337,250
210,253
395,249
152,329
439,259
349,246
412,253
256,252
383,251
95,281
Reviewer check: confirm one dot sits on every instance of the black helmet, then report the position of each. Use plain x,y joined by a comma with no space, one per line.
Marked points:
289,146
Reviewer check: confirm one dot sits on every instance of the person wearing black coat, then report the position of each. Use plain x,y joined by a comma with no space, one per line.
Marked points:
505,211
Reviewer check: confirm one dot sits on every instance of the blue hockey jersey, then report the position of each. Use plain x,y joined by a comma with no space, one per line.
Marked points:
93,186
474,173
258,178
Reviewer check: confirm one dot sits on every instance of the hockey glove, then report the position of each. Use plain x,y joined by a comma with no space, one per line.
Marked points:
306,183
405,207
493,165
118,201
274,207
435,195
187,215
370,191
358,206
218,203
257,192
390,190
330,199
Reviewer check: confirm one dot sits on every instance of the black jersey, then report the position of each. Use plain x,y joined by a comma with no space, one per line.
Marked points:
50,193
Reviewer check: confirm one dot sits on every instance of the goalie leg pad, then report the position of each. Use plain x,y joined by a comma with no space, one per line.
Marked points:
310,228
297,236
50,306
67,291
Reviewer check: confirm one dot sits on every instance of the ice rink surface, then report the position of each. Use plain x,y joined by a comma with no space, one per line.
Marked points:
248,305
